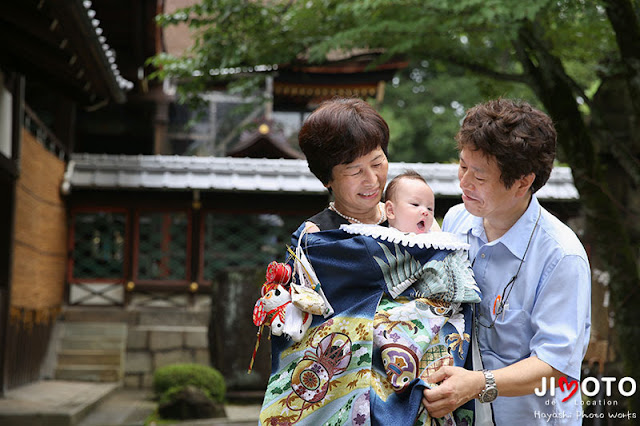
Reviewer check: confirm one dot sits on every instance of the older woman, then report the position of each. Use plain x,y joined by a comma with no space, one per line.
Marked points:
390,313
345,142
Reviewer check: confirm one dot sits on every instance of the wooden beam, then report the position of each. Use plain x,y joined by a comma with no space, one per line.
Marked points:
73,18
56,39
38,61
23,19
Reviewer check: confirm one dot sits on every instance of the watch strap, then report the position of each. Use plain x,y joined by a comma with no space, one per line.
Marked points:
489,387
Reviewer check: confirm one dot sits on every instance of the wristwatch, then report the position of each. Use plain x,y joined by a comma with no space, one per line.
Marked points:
490,391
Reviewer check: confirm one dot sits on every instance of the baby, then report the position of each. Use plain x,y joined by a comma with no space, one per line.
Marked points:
409,203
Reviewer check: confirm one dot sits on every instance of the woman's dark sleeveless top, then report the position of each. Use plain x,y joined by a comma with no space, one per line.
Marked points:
328,219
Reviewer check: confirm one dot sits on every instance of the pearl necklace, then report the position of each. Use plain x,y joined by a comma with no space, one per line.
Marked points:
332,206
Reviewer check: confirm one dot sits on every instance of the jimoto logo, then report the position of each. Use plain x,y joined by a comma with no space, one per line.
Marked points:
590,386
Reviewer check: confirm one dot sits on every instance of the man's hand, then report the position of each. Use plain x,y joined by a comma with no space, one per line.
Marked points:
456,387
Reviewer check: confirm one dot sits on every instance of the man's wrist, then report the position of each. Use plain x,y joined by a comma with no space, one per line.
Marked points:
478,384
490,390
481,382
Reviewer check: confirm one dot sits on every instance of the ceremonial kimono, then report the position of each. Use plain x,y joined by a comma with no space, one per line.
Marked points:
399,308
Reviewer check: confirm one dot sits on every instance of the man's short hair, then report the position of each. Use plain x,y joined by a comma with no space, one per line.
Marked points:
520,137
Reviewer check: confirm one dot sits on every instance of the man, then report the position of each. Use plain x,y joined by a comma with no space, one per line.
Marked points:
534,319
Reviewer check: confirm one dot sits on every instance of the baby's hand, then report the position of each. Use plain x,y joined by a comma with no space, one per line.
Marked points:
311,227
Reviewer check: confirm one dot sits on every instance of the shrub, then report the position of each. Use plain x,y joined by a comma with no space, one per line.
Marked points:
177,376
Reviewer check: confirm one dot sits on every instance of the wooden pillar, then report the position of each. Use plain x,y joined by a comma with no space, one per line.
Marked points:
64,126
196,243
7,215
161,123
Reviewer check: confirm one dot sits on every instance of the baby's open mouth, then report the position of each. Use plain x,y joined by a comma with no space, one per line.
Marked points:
421,225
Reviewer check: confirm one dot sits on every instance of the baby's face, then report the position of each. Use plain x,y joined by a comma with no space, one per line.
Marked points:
412,207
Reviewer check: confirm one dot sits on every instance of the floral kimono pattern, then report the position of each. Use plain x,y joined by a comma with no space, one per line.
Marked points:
400,310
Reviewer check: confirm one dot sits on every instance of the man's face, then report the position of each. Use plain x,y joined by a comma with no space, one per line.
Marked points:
483,193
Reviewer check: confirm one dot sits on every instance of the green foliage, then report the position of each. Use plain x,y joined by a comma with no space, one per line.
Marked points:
172,378
425,103
171,393
238,35
467,46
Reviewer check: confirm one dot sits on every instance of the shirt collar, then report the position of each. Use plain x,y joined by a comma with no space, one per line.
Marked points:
476,228
517,238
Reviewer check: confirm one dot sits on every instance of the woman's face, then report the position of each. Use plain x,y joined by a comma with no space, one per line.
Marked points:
358,186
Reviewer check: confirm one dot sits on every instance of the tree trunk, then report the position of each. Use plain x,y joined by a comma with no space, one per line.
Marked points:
607,221
626,24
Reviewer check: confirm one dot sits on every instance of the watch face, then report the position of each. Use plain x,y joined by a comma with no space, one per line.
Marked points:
489,395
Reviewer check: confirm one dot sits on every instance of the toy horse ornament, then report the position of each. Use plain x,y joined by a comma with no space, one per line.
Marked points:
275,310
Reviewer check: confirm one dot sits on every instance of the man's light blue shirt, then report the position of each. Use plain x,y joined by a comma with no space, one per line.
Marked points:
549,308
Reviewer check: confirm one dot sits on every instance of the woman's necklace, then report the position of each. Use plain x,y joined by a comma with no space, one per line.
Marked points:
332,206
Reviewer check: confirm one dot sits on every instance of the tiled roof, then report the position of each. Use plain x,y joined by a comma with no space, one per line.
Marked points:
155,172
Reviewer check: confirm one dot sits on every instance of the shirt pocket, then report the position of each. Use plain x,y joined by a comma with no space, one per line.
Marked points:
510,336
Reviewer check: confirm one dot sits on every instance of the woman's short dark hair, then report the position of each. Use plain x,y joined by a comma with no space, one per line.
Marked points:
339,131
520,137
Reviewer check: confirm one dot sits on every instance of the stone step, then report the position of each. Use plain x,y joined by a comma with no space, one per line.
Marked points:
97,314
91,351
124,407
52,402
160,317
91,342
87,357
98,330
194,316
89,373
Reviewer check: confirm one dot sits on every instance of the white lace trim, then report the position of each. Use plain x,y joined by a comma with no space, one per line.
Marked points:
437,240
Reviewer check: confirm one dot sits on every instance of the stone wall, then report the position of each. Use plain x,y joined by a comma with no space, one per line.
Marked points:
163,336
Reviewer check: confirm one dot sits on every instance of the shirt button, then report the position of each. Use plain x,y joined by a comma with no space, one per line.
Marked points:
482,255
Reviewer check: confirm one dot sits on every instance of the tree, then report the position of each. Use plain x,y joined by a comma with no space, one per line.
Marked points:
581,59
425,103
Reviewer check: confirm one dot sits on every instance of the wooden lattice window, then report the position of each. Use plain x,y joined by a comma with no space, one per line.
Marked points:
234,241
163,246
98,245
